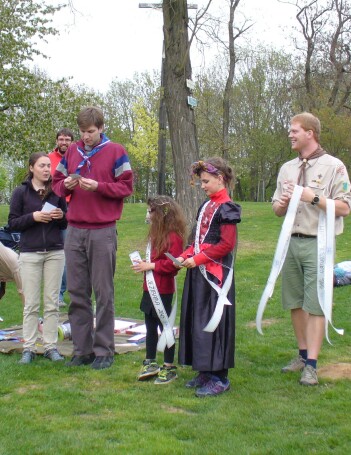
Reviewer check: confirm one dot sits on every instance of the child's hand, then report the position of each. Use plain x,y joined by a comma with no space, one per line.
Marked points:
181,260
189,263
142,266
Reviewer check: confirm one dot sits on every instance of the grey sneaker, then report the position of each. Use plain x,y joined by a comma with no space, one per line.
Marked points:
297,364
309,376
166,375
53,355
150,368
27,357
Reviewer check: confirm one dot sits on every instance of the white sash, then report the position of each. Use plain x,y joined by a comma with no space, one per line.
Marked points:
162,341
222,292
326,248
167,335
280,254
326,238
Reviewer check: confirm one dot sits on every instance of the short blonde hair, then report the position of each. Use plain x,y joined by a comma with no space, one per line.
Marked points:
309,122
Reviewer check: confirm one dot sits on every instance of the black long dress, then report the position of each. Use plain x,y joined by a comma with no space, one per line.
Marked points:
206,351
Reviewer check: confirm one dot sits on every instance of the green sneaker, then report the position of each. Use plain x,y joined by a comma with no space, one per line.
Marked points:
297,364
309,376
150,368
166,375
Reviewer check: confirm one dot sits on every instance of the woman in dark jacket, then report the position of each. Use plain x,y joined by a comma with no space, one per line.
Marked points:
39,215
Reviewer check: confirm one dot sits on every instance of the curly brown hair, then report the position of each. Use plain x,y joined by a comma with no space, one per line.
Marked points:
167,217
216,166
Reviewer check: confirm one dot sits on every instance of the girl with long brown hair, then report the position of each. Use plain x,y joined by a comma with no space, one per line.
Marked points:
166,234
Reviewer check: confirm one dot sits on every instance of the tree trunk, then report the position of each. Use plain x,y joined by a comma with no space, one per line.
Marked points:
181,117
230,78
162,136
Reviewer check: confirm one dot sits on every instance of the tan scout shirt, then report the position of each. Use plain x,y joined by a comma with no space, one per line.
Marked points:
326,176
9,267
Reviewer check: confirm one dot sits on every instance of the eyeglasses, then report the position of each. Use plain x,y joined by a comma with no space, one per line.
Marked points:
200,166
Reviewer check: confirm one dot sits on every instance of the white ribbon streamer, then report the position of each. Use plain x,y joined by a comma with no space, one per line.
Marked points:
222,292
280,254
167,335
222,299
162,341
326,248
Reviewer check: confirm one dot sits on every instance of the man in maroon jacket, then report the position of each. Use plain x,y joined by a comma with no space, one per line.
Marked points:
97,174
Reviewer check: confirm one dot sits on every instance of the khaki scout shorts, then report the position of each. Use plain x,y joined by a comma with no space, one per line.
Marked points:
299,276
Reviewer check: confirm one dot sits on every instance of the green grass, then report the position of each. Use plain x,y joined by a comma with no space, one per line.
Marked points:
48,408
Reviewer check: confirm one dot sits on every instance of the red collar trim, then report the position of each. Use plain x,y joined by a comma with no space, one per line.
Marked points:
221,196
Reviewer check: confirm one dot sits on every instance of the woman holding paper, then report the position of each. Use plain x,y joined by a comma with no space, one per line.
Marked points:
207,322
39,215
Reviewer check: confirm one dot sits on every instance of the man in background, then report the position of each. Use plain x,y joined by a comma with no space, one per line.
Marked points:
64,138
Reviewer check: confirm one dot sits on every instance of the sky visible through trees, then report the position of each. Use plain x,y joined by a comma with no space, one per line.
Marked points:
117,39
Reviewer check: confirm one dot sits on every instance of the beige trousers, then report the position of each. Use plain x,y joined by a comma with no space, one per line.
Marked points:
46,267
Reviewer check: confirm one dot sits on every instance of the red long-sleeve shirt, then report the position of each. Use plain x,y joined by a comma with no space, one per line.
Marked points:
165,271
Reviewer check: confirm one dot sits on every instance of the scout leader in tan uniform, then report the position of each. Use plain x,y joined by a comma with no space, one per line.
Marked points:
323,177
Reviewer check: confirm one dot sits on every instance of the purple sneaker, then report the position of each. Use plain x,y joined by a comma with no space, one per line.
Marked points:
199,381
213,387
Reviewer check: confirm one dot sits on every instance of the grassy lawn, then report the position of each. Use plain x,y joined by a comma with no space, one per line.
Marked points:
48,408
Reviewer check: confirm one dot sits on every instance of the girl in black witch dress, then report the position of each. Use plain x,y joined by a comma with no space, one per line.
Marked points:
207,321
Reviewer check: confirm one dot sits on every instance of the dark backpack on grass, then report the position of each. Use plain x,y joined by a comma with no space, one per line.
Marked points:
8,238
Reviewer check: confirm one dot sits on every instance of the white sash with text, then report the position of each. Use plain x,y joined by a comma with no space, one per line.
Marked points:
167,335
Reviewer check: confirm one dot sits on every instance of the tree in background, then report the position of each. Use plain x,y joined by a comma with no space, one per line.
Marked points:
32,126
21,23
144,148
324,54
209,87
246,97
49,106
261,113
3,184
181,117
131,109
234,32
32,106
322,80
258,121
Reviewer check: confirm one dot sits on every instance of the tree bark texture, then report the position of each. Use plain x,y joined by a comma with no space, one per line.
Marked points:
181,117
